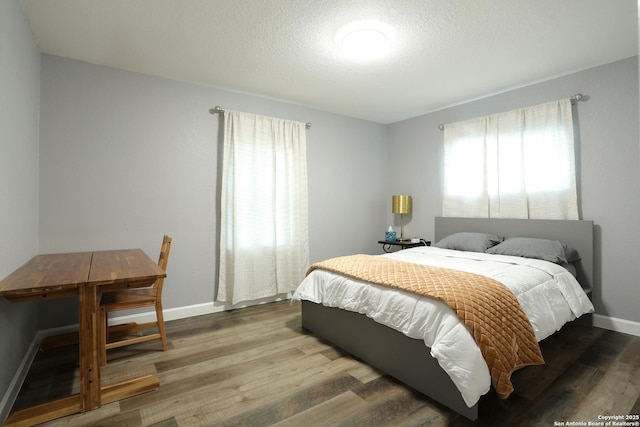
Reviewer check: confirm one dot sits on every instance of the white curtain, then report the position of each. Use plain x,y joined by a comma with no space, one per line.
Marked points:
518,164
264,243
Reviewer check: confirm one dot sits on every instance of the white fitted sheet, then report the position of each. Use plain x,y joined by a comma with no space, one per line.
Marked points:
549,295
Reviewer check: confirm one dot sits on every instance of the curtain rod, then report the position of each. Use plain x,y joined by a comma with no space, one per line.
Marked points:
220,110
575,98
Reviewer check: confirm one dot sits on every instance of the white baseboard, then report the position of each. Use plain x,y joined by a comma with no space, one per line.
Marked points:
615,324
190,311
169,314
11,394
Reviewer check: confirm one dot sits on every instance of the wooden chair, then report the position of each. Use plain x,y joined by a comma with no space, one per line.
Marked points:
130,299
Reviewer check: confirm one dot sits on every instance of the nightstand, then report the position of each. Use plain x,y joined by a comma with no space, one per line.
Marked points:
386,246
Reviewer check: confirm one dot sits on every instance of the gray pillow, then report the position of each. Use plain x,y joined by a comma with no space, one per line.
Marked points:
529,247
571,254
467,241
571,269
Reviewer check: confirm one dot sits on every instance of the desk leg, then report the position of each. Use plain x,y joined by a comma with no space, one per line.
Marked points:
45,412
90,392
88,306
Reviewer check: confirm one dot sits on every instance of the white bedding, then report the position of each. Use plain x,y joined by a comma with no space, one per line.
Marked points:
549,295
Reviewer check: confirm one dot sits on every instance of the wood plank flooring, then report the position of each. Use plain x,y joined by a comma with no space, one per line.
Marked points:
257,367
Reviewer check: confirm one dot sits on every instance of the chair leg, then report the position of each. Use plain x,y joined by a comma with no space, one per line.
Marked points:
161,329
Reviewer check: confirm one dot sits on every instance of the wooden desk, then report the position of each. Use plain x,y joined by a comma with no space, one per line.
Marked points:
85,274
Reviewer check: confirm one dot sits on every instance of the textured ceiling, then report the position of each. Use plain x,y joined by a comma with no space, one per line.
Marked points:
444,52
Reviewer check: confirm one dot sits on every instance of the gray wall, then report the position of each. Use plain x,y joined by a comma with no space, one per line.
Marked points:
608,178
126,157
19,110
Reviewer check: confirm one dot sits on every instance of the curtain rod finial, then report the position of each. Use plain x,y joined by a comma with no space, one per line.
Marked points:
577,97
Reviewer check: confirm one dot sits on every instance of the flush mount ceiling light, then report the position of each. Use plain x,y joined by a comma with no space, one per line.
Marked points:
364,39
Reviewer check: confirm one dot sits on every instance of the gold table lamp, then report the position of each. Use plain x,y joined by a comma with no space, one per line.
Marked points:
401,204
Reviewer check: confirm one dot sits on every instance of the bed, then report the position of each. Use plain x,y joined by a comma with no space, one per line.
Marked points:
405,355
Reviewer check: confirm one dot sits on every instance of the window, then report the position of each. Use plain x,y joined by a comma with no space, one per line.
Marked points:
518,164
264,249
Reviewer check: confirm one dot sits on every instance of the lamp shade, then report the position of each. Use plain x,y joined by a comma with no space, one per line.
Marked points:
401,204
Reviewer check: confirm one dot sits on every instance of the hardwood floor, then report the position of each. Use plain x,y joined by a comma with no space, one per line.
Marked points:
257,367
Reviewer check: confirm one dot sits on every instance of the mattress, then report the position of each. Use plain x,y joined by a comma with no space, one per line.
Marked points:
549,295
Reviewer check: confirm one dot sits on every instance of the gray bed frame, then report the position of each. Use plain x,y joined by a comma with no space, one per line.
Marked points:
408,359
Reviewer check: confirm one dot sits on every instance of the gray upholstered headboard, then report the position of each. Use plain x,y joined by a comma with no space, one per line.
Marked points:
577,234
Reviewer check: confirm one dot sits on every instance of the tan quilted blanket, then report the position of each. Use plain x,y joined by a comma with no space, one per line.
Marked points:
487,307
